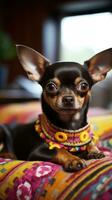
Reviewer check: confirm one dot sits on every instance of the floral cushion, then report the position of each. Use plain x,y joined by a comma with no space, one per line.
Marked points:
23,180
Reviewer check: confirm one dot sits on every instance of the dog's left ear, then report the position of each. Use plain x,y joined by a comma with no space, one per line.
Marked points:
99,65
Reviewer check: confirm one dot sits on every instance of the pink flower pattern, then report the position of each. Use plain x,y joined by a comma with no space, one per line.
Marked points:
31,184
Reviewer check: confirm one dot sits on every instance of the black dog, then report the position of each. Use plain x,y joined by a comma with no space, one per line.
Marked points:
61,134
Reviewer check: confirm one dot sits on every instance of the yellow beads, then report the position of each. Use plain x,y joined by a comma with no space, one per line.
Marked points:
53,145
38,127
60,136
84,136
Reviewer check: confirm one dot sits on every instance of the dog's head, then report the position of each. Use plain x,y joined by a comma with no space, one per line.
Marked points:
66,85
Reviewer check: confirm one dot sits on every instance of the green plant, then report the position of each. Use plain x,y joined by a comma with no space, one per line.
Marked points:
7,48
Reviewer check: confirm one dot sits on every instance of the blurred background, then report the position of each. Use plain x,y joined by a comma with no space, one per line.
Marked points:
61,30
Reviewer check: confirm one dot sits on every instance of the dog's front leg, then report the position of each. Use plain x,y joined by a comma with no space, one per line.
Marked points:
61,156
94,152
69,162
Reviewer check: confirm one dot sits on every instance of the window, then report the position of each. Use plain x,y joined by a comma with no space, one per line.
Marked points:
85,35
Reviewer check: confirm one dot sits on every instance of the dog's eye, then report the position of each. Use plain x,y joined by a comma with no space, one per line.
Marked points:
83,86
51,87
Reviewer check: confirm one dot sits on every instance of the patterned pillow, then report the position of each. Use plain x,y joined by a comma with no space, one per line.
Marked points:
23,180
44,180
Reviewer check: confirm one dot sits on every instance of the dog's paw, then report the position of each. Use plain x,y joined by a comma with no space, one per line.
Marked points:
95,155
69,161
72,165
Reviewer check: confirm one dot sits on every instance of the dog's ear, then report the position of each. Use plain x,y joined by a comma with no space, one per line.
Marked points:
33,62
99,65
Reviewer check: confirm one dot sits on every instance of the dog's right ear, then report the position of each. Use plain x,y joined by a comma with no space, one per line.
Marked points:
33,62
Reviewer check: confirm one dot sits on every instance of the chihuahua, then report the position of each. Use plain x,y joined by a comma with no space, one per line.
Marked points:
61,134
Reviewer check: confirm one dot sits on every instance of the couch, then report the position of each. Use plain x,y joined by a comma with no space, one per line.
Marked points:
24,180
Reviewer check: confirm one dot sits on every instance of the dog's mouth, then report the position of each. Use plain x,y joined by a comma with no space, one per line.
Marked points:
67,109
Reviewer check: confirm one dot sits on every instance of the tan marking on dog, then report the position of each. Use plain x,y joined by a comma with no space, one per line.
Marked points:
50,100
77,80
87,97
57,81
77,116
79,101
89,93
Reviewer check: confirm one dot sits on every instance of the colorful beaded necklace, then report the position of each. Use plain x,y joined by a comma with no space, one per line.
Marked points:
69,139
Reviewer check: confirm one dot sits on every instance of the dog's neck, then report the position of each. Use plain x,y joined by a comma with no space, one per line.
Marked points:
73,121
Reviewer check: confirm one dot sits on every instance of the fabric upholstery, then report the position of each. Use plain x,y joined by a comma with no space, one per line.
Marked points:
23,180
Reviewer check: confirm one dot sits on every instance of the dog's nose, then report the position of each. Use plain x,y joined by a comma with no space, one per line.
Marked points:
68,100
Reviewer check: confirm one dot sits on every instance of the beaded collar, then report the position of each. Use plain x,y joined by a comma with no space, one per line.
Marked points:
69,139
